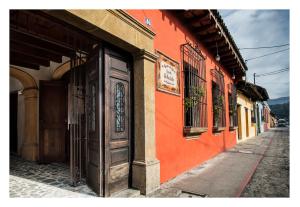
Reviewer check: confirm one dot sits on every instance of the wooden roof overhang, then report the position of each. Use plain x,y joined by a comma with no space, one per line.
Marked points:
255,92
263,92
211,31
36,39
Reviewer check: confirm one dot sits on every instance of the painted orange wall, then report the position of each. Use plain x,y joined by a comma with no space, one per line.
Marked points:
175,152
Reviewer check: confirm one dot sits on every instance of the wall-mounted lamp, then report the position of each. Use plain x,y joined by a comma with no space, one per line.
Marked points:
233,75
218,58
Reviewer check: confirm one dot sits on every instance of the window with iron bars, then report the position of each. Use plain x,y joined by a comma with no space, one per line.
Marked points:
195,103
253,118
263,114
218,100
232,100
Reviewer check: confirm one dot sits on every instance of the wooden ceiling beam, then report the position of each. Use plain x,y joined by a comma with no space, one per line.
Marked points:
230,65
23,63
21,36
35,51
211,39
225,60
36,22
197,19
29,59
221,44
226,53
202,30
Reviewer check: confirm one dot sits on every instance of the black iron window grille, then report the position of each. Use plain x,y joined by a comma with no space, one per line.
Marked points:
232,100
218,100
195,101
120,107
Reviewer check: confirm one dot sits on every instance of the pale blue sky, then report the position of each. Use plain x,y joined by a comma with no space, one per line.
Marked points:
256,28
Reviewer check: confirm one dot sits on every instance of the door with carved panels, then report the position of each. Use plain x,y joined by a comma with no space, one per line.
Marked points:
94,121
117,122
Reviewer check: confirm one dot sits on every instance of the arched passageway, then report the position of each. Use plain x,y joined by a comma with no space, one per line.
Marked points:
29,147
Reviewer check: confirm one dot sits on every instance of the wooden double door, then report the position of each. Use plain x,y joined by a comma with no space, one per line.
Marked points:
107,106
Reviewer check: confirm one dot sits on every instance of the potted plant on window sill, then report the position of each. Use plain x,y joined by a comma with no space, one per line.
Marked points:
196,93
231,117
217,109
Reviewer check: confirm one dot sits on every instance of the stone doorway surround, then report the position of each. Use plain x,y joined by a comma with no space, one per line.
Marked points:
119,28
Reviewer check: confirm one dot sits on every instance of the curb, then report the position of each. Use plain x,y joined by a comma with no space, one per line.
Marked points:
251,172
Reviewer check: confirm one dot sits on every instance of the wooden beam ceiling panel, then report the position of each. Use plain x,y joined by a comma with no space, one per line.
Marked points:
197,19
23,63
20,36
213,45
226,60
231,65
35,51
203,30
226,54
38,24
209,36
29,59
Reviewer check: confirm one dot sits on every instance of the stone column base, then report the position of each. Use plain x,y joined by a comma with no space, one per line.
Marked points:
29,151
146,176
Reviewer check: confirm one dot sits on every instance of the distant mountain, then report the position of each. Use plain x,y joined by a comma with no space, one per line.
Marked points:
280,100
282,111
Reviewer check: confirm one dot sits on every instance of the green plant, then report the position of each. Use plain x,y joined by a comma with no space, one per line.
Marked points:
218,107
196,93
231,109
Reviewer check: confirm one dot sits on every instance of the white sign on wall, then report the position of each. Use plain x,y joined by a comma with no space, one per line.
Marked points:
168,75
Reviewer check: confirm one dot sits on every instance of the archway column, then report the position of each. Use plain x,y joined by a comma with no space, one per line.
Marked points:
145,167
29,148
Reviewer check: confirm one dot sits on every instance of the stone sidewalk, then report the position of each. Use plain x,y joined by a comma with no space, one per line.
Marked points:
271,178
227,174
256,167
29,180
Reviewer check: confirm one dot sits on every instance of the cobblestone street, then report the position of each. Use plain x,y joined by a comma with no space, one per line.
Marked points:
28,179
271,178
222,176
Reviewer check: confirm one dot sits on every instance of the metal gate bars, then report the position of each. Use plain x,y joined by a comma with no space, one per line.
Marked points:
76,119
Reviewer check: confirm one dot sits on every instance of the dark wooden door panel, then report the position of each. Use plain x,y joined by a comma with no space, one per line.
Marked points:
117,119
52,121
13,125
93,120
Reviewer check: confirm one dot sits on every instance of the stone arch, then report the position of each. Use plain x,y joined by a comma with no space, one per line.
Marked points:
25,78
29,147
65,67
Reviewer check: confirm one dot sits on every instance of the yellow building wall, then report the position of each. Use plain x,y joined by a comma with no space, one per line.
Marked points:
245,102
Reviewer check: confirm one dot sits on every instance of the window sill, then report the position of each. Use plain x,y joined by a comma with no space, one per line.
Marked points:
218,129
232,128
193,131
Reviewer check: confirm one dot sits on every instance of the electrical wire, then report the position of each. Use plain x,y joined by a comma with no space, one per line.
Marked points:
266,55
273,72
277,71
264,47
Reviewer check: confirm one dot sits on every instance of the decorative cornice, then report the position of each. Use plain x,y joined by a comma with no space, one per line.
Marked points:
144,54
132,22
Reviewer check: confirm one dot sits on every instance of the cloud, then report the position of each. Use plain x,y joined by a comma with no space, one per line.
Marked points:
256,28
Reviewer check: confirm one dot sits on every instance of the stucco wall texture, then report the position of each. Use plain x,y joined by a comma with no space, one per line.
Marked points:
245,102
176,152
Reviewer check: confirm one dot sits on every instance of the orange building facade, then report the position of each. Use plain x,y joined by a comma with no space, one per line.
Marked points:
176,152
137,97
